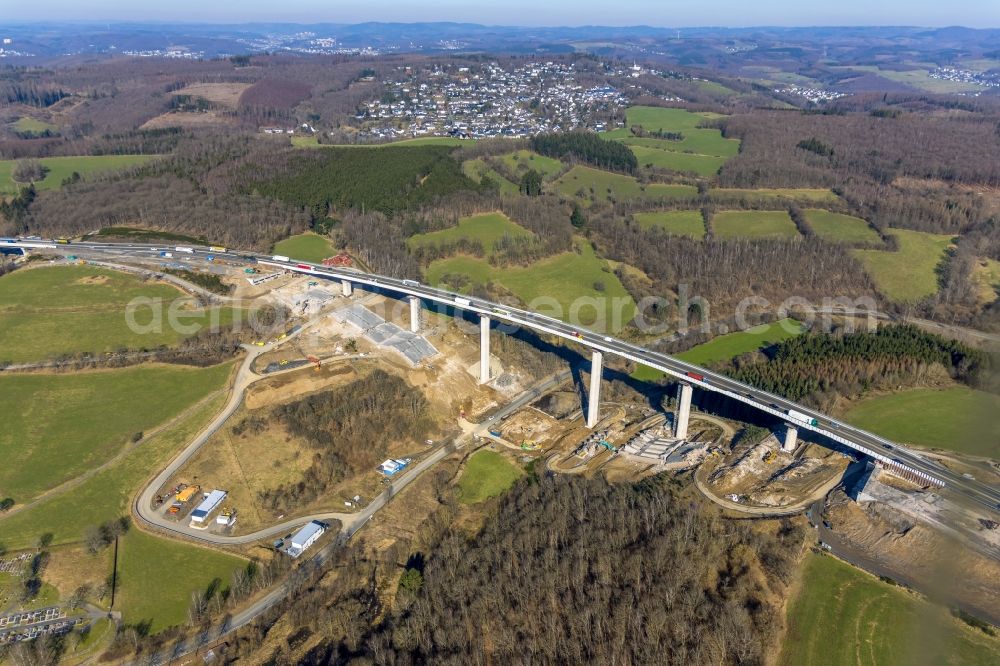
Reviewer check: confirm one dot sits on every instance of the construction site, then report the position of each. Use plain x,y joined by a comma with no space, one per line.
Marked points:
532,410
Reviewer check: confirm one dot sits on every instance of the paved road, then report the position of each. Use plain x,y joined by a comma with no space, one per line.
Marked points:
865,442
350,524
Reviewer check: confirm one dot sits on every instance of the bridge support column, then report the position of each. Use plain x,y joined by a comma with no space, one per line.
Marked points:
791,438
345,287
683,413
414,314
594,396
484,349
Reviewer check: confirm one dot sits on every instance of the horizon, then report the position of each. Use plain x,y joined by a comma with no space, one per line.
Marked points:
725,14
524,26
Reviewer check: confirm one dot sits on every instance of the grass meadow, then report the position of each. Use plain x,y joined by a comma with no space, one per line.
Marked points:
487,474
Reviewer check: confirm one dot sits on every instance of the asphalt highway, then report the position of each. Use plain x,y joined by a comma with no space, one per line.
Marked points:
869,444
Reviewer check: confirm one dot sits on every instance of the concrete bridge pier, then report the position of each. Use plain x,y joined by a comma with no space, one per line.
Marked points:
414,314
594,395
683,413
484,349
791,438
345,287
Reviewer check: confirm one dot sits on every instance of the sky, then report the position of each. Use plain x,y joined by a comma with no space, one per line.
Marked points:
661,13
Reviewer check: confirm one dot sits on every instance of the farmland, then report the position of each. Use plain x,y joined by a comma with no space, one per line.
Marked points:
476,169
61,168
487,474
586,183
105,495
842,616
654,118
29,124
987,273
656,157
572,285
700,150
910,273
955,419
677,222
59,426
812,195
157,577
56,310
726,347
840,228
523,160
306,247
753,224
699,141
310,141
486,229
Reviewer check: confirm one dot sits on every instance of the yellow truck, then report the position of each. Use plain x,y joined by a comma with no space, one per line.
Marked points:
188,493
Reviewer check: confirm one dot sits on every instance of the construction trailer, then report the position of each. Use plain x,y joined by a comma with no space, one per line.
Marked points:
209,504
305,537
392,466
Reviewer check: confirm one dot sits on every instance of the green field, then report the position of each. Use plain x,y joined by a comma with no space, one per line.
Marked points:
606,185
677,222
487,474
714,88
726,347
754,224
840,228
703,165
310,141
53,310
156,578
105,495
29,124
563,286
956,419
523,160
701,150
910,273
700,141
810,194
478,168
10,590
61,168
487,229
987,275
59,426
306,247
844,617
654,118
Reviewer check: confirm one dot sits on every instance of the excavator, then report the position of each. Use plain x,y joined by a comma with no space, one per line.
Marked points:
315,361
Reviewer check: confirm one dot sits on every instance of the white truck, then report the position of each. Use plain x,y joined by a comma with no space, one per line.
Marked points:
186,250
802,418
280,257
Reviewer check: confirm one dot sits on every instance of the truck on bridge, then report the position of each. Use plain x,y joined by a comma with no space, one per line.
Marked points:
802,418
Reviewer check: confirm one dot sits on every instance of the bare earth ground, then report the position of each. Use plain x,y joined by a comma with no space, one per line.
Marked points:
767,476
903,544
187,119
223,94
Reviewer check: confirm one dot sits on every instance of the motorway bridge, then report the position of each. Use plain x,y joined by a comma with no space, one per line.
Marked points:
797,416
